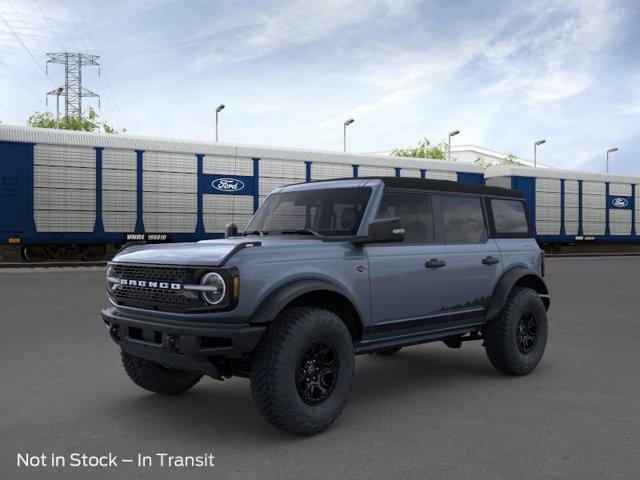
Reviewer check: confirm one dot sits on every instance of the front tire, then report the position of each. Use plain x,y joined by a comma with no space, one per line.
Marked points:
302,370
515,341
156,378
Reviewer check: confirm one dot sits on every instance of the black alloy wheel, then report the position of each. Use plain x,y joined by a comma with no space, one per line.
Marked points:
527,332
316,372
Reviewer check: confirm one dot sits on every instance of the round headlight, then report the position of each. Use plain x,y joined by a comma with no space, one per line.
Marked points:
215,288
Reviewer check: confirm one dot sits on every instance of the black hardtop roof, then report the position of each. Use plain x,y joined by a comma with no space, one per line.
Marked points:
411,183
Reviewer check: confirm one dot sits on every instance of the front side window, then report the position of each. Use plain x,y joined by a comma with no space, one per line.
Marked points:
328,212
414,209
509,216
463,219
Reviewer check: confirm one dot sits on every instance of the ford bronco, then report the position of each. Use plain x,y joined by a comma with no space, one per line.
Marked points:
326,270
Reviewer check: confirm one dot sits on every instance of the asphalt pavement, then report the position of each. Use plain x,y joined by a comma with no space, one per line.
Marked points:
426,412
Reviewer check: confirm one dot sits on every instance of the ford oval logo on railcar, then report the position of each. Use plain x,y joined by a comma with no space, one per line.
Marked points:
228,184
620,202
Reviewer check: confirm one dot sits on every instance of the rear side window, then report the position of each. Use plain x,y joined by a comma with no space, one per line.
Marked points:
509,216
463,219
414,209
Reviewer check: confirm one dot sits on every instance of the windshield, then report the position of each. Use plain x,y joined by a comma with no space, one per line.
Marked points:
326,212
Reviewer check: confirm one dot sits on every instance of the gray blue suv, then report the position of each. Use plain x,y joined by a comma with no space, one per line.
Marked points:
324,271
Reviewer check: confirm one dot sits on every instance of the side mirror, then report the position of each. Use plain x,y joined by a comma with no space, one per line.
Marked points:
385,230
230,230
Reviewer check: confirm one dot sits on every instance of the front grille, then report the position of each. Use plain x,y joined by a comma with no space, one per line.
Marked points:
164,299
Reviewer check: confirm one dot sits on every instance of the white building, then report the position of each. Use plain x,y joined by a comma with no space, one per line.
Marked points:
469,153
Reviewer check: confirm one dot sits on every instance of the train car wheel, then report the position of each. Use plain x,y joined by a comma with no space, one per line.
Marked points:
35,253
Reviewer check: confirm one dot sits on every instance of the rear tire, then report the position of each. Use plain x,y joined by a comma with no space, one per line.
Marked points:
302,370
156,378
515,341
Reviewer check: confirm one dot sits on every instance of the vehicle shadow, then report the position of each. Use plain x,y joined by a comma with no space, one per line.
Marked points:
226,410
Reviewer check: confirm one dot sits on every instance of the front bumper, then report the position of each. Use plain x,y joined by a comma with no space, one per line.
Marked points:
177,344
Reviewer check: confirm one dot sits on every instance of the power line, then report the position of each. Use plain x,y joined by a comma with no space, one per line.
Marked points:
26,48
110,97
12,113
85,23
26,27
28,30
20,80
73,22
50,27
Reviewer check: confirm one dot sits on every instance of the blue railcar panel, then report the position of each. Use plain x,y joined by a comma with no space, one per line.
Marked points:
139,221
527,185
200,221
99,225
307,166
580,229
562,229
256,184
467,177
14,186
633,210
607,231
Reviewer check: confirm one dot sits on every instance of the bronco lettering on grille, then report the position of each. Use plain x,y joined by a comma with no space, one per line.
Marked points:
151,284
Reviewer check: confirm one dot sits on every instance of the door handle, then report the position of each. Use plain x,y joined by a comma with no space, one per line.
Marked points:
490,260
435,263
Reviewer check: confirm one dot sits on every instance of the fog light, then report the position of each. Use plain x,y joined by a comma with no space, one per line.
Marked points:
114,331
173,342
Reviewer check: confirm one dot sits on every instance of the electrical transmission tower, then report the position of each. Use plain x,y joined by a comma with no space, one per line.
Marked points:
73,89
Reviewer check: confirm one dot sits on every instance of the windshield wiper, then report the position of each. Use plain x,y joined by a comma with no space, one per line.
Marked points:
302,231
254,232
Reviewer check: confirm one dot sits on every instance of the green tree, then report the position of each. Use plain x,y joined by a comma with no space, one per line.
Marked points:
425,149
87,123
510,159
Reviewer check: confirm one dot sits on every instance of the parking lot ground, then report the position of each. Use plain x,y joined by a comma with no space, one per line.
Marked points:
427,412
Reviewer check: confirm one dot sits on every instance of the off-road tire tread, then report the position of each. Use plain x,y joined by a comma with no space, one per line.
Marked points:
498,344
156,378
266,383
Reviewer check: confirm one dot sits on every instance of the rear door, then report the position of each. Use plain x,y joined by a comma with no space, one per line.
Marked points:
405,292
474,264
13,186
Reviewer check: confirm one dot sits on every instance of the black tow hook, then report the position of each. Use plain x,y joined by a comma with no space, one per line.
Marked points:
173,342
114,331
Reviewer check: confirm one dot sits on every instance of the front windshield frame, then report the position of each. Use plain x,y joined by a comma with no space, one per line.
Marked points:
335,212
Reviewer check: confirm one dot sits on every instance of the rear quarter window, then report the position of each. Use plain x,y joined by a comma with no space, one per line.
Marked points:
463,219
509,216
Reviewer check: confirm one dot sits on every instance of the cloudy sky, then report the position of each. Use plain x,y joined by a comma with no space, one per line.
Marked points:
504,73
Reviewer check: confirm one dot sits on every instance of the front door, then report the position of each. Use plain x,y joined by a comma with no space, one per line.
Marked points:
407,279
13,186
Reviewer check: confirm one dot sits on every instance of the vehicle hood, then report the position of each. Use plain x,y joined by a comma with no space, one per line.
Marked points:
209,253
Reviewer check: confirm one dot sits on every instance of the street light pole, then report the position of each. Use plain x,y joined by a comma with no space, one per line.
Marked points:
451,134
344,133
535,152
219,108
611,150
59,90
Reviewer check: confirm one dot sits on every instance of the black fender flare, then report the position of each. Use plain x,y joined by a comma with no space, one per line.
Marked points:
526,277
280,298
